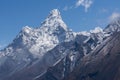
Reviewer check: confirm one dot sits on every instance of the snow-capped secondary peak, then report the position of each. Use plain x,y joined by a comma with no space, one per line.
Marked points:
97,30
114,26
85,33
88,33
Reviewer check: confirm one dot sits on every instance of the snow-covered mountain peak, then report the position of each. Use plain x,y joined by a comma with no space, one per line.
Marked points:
38,41
54,20
26,29
55,12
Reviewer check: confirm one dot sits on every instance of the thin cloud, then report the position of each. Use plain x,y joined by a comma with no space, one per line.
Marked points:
104,10
85,3
114,16
65,8
2,46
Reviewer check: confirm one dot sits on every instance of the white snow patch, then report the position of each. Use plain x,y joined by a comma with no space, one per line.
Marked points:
40,75
85,51
56,62
97,30
85,33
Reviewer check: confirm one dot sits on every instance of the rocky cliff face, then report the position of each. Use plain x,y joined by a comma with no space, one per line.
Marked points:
101,64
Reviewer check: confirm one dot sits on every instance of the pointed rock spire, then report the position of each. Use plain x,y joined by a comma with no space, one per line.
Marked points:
55,12
54,19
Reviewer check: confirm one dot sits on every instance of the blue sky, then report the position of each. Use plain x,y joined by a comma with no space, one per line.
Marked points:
79,15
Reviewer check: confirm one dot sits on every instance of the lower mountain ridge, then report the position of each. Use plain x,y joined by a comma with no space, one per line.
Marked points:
101,64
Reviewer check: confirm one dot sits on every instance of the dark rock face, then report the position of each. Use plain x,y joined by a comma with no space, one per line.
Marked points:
67,65
102,64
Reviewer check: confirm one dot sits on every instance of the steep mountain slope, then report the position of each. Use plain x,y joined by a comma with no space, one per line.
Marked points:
102,63
75,52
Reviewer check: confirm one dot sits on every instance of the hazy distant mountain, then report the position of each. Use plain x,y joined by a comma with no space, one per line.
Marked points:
54,52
